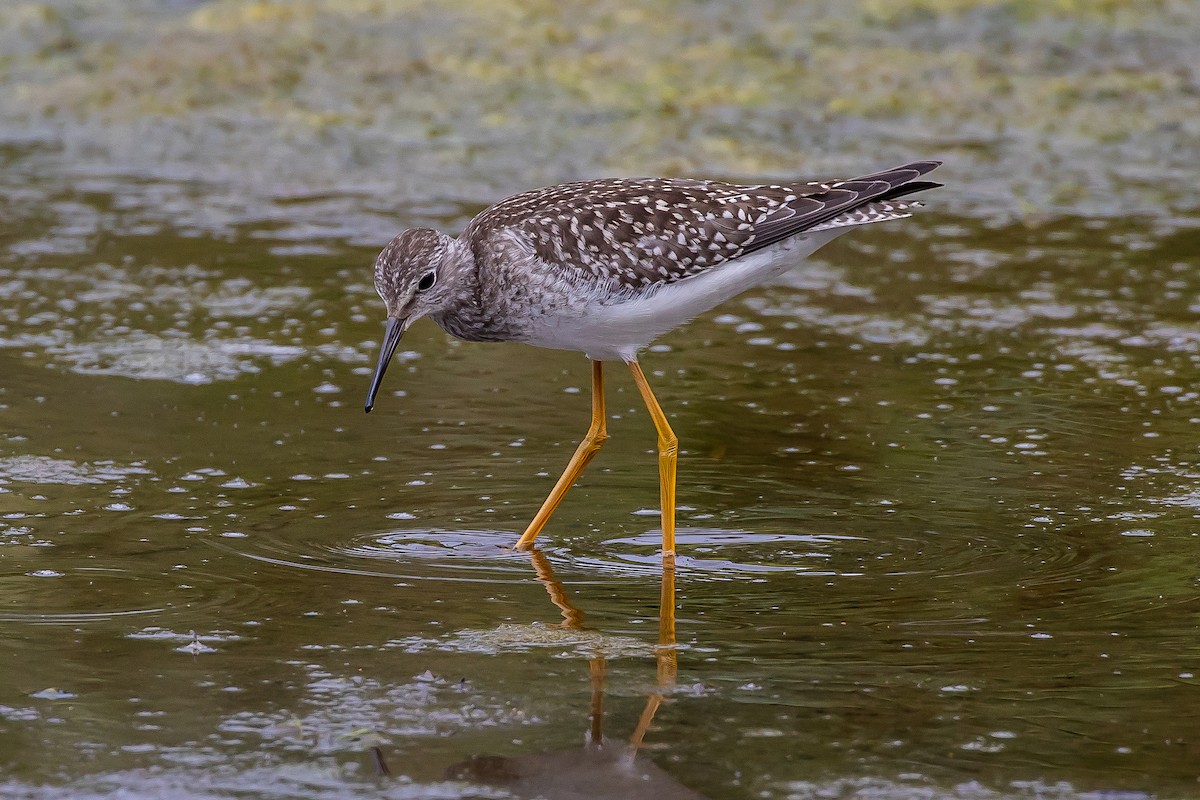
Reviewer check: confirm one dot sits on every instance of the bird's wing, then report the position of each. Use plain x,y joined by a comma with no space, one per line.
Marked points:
641,232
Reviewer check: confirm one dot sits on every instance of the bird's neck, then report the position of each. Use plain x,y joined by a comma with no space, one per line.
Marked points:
463,314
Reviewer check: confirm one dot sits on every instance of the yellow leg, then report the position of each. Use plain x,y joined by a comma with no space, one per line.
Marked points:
668,458
586,451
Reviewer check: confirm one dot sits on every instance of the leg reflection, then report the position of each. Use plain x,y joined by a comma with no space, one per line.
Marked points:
573,619
572,616
594,771
596,671
665,654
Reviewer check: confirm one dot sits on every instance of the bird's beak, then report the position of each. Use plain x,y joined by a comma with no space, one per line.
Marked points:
391,338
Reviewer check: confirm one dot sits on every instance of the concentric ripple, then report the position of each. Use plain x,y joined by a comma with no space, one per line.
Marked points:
457,556
489,554
73,592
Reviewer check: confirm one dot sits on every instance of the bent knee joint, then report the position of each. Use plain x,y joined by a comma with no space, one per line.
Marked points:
592,442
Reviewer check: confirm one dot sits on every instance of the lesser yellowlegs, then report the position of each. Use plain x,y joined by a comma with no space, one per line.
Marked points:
607,266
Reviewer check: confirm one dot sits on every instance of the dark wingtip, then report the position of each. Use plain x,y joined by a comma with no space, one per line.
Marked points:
922,167
901,174
912,187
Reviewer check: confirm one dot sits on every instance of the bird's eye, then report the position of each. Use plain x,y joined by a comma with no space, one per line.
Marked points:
426,281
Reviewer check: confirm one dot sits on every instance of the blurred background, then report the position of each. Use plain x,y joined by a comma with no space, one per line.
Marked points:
1039,106
938,486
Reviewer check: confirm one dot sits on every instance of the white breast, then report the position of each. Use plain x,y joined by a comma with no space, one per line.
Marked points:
607,328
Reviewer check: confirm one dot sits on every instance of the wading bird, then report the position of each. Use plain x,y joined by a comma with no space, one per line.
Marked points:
604,267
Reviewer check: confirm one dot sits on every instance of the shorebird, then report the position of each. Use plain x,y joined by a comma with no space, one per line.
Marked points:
604,267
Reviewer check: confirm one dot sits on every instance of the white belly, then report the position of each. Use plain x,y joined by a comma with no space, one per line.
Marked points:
608,330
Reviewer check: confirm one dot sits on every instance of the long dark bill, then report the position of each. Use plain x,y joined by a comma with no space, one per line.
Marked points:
391,338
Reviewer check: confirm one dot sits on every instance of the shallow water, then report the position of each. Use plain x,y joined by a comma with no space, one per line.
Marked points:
938,522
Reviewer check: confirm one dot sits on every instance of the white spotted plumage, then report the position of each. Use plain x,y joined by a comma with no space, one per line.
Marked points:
605,267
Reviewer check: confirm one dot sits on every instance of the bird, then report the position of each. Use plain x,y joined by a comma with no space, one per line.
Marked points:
604,267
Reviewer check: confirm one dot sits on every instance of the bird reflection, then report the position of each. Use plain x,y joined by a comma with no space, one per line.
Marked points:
600,769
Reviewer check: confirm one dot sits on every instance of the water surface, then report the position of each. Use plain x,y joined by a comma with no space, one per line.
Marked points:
937,525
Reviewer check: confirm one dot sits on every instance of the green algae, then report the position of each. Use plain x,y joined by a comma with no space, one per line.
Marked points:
1060,106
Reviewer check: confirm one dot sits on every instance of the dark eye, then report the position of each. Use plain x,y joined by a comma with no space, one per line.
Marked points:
426,282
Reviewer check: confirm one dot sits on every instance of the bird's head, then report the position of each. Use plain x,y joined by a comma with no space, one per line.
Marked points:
411,275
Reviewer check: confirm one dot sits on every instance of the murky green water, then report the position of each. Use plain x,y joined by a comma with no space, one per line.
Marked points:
938,520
